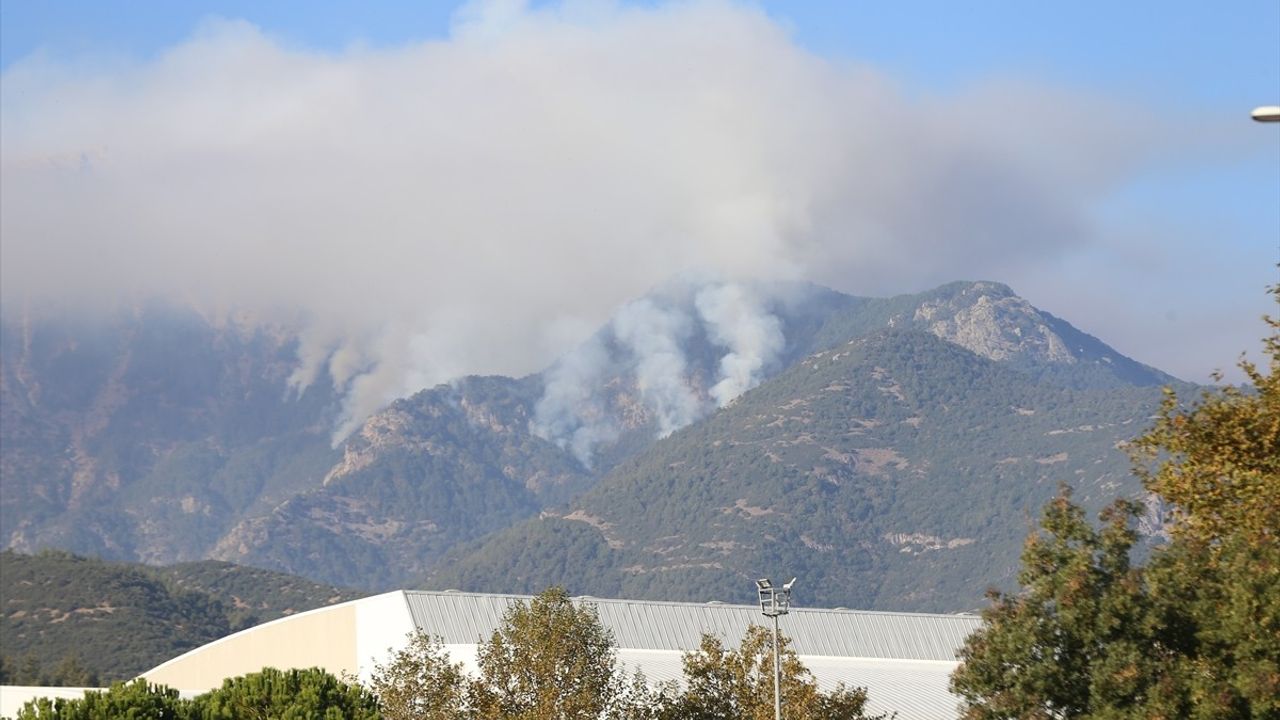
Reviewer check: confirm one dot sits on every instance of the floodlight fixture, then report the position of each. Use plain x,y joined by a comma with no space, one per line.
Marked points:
1267,113
773,603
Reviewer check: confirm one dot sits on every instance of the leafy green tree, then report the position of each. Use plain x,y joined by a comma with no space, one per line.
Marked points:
738,684
309,694
420,683
138,700
1073,641
1195,633
549,660
1216,588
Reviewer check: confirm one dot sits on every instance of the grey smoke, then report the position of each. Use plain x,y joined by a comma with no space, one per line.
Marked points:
655,338
736,319
572,410
475,204
644,347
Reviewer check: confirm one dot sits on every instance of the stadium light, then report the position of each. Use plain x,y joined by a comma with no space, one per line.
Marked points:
774,603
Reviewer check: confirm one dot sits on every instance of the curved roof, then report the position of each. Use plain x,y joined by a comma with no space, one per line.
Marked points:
461,618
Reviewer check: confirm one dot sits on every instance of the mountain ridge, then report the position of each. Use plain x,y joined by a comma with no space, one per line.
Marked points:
222,462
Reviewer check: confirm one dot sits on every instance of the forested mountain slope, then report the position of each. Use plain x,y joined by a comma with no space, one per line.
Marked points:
162,435
117,619
896,470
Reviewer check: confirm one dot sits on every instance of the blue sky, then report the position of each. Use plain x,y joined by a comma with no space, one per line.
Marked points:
1207,223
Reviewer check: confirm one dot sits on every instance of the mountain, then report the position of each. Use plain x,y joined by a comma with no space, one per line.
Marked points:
444,466
896,470
117,620
144,433
164,435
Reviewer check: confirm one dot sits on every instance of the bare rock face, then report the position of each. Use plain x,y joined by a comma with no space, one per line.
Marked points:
989,320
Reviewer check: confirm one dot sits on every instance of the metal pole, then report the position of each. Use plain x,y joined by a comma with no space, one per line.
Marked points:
777,673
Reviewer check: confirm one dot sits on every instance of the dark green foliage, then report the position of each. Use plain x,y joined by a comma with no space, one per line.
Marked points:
311,694
69,620
1074,642
137,700
253,595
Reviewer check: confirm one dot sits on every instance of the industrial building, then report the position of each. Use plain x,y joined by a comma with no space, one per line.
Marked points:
903,659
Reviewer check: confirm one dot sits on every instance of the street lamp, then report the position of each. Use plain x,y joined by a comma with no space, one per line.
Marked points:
775,602
1267,113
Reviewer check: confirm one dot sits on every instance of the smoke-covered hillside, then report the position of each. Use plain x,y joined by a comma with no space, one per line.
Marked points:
163,435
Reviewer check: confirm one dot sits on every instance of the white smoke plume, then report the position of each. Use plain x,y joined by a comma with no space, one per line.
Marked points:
572,412
645,346
440,208
655,338
736,319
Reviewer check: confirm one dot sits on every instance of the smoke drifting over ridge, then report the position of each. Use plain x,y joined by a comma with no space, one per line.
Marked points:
644,345
471,205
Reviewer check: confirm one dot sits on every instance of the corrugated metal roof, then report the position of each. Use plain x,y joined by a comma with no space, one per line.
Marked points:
460,618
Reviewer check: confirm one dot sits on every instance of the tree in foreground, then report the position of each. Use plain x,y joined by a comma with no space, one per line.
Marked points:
419,682
738,684
311,694
1193,634
136,699
552,659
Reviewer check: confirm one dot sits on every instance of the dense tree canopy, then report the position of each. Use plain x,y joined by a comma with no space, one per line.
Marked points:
724,684
549,659
1193,634
311,694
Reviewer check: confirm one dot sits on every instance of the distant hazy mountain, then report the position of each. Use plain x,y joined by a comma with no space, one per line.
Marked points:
144,434
163,436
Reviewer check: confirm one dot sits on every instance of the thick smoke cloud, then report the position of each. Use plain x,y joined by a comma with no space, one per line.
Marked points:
655,338
571,411
452,206
735,319
643,348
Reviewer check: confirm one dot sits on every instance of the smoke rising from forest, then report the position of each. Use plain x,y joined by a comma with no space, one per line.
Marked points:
480,203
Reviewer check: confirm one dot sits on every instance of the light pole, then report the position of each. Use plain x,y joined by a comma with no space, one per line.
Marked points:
1267,113
774,602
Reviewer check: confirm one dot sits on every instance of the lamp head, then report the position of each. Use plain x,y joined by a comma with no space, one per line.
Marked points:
787,587
764,584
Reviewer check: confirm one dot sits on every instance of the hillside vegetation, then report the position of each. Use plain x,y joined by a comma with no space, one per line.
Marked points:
890,442
69,619
893,471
